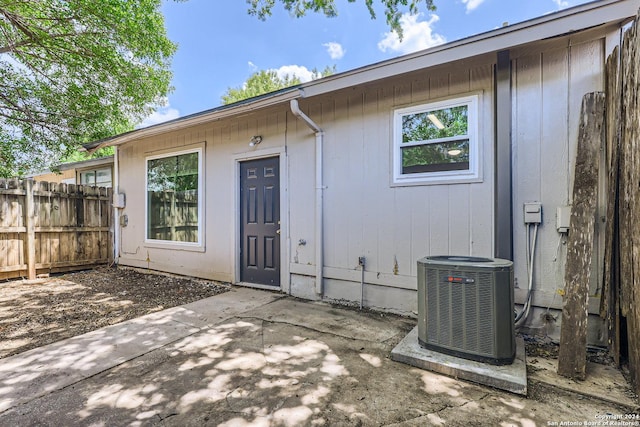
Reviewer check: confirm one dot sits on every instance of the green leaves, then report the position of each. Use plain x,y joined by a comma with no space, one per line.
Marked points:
75,71
393,9
265,81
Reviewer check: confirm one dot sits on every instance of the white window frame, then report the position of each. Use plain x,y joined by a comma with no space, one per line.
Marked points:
473,174
199,244
95,171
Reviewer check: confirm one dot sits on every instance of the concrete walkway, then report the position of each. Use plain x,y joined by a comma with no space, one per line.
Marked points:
250,357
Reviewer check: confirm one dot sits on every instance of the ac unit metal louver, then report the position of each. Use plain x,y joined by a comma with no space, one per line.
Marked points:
465,308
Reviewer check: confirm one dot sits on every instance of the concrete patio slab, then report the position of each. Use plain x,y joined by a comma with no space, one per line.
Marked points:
37,372
512,378
271,360
347,323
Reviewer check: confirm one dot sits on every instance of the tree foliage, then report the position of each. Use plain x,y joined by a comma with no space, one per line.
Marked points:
393,9
72,71
265,81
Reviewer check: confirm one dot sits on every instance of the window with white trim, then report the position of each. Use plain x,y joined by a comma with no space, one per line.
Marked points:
96,177
437,142
174,197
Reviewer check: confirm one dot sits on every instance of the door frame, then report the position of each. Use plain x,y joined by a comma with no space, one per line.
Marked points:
281,153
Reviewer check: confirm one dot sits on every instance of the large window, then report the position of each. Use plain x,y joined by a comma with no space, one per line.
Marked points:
437,142
174,197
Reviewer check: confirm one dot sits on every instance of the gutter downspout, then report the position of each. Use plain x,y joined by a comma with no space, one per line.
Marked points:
116,210
319,235
503,219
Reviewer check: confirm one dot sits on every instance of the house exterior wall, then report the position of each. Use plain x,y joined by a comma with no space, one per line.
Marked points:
548,85
69,173
392,226
63,176
365,215
222,143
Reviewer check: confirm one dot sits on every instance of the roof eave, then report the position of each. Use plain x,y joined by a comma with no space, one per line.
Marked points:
218,113
555,24
577,18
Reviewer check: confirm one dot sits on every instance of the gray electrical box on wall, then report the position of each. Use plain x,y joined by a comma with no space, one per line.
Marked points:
563,218
119,200
533,213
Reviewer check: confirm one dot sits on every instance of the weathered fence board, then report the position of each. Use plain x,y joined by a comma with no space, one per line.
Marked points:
630,227
572,358
621,303
609,304
51,227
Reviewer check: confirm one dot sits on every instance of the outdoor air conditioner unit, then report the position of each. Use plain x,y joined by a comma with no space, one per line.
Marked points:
465,308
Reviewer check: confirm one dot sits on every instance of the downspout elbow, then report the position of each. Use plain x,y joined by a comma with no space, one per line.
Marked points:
295,109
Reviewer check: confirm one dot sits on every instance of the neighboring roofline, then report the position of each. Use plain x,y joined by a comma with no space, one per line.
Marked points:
99,161
82,164
554,24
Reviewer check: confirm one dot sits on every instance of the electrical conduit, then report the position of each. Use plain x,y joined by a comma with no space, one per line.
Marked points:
295,109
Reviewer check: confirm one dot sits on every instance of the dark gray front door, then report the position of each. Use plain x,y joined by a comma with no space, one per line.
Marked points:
260,221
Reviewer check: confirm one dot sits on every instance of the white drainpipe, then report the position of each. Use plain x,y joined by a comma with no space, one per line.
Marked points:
295,109
116,219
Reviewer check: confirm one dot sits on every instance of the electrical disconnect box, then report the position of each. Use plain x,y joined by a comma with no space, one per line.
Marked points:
563,217
533,213
119,201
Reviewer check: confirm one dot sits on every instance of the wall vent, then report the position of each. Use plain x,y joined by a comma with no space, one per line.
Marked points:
465,307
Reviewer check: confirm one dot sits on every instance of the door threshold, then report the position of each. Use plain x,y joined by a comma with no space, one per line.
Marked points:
259,286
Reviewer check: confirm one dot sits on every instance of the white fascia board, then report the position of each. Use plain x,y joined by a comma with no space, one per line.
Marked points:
107,160
552,25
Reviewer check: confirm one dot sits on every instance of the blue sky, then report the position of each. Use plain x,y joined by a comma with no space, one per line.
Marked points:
220,45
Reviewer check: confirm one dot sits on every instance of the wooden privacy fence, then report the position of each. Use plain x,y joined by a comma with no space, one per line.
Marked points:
49,227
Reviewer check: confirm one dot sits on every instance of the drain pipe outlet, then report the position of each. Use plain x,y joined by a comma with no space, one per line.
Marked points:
319,236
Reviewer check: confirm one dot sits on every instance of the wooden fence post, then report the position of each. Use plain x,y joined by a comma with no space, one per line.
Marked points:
572,358
30,224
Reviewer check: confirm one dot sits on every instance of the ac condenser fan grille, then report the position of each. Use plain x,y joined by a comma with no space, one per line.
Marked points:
468,308
461,315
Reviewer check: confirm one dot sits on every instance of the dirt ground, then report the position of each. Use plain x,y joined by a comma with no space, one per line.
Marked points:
33,314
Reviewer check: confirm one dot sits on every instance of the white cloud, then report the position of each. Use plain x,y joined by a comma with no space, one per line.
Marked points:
473,4
335,50
561,3
253,67
300,71
417,35
161,115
